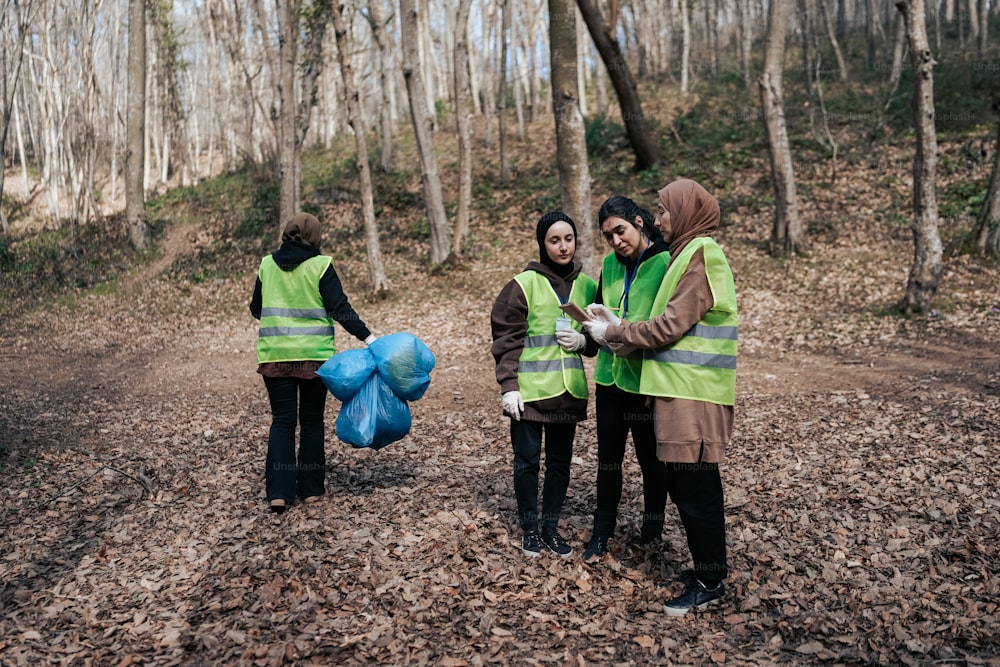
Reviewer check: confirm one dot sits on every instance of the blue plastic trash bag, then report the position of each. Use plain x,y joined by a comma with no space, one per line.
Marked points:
405,363
345,373
374,416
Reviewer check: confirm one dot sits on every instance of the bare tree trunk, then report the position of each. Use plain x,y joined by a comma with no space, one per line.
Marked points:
988,233
378,24
288,168
927,252
571,143
746,39
898,48
984,24
787,230
380,283
644,145
10,85
486,55
463,126
135,196
834,42
423,122
685,45
502,93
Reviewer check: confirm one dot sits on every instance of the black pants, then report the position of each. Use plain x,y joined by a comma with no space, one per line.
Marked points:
618,413
696,490
526,437
295,402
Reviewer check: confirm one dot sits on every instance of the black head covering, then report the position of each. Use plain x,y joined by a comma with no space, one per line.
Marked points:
541,230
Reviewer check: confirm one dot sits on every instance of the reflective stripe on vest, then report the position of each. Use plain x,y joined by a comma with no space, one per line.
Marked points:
625,372
294,325
544,369
701,365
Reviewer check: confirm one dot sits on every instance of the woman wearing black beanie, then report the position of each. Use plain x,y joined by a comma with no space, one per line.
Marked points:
537,351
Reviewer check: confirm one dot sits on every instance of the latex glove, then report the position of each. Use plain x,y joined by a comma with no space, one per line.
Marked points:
371,339
602,313
597,330
513,405
570,340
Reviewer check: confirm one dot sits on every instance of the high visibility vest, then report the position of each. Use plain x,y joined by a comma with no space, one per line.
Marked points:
545,370
625,372
294,324
702,365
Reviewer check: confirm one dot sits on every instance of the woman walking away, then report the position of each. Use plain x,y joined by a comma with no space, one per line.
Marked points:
297,298
538,366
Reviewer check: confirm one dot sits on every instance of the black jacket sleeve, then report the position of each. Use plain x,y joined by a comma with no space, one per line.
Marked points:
256,300
338,307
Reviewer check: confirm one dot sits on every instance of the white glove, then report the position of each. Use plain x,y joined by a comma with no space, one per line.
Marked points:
602,313
570,340
371,339
513,405
597,330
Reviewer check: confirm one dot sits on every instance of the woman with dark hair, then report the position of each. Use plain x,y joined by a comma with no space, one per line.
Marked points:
689,369
297,298
631,278
538,367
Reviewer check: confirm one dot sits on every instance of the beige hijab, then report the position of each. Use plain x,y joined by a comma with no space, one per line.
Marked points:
693,213
302,227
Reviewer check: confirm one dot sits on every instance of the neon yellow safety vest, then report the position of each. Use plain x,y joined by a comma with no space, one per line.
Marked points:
545,370
625,372
294,324
702,365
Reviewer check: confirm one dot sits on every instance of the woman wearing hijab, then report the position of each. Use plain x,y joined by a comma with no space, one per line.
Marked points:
631,278
538,367
689,367
297,298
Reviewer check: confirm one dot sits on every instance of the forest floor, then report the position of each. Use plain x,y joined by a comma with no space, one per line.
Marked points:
861,486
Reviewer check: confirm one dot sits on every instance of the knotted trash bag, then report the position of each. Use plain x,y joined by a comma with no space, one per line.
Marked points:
374,384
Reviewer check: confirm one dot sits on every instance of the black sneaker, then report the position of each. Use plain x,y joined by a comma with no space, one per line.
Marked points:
695,596
531,544
556,544
597,546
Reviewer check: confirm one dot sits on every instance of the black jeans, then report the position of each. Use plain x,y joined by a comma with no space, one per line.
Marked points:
526,437
295,401
696,490
619,412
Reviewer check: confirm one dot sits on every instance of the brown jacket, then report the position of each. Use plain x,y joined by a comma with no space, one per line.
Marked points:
687,431
509,323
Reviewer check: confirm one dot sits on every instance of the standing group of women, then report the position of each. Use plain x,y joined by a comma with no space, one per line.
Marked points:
664,328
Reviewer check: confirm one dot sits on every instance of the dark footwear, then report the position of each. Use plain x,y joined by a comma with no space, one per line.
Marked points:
531,544
278,505
556,544
695,596
650,532
597,546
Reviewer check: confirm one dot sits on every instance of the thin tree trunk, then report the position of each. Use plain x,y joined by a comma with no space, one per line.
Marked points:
288,169
644,145
834,42
988,234
378,23
463,126
423,123
685,45
571,143
486,55
746,39
135,196
502,92
927,252
787,229
380,283
898,49
984,24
